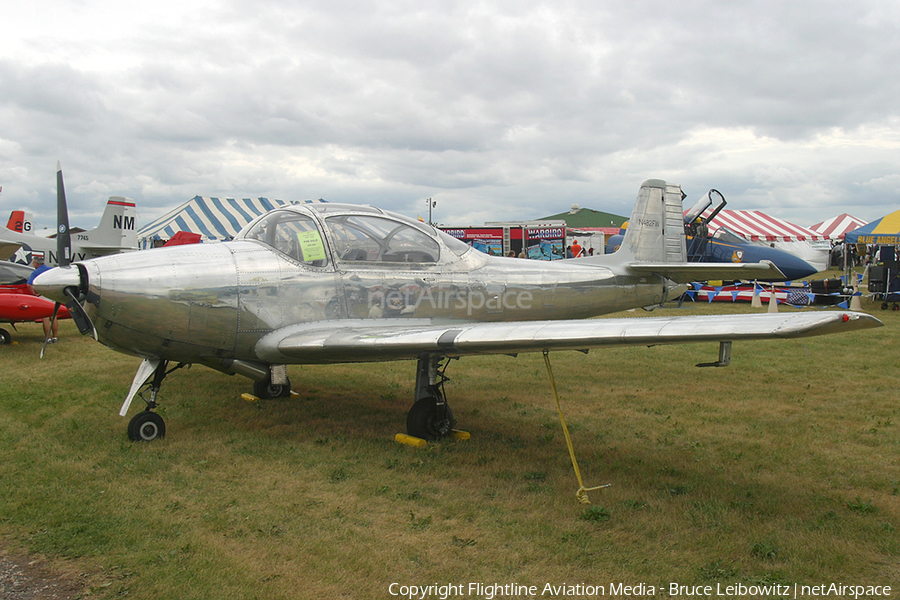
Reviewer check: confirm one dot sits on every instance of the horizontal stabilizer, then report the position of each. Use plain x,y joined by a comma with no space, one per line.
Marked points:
688,272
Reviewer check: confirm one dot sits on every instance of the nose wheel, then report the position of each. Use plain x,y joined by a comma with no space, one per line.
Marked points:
146,426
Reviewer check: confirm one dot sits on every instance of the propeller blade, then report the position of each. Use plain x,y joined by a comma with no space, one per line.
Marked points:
63,239
56,306
79,315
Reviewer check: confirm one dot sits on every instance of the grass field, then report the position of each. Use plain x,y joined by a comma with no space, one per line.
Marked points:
783,468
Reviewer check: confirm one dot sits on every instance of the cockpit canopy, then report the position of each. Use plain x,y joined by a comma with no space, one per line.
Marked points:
378,239
13,274
292,233
730,237
360,234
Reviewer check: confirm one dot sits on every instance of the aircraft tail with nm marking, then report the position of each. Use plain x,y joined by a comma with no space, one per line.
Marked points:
116,230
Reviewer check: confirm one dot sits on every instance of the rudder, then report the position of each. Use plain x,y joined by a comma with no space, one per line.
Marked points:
20,221
117,225
656,230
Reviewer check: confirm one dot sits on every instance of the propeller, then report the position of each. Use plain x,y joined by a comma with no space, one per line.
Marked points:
78,297
79,315
64,258
63,238
56,306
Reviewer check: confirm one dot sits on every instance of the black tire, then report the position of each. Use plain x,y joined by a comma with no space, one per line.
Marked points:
429,421
146,426
5,338
266,390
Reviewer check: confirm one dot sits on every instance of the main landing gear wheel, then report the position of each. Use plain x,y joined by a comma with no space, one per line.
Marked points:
430,420
5,338
430,417
267,390
146,426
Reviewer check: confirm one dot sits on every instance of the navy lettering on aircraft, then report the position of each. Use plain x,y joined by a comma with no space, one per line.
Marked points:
52,256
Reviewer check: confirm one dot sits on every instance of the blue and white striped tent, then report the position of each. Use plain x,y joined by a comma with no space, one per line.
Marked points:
213,218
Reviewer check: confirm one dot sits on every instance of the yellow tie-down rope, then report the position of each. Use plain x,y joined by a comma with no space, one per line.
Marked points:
581,494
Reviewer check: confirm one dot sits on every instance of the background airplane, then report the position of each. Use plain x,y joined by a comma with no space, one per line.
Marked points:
115,233
332,283
20,221
18,304
725,246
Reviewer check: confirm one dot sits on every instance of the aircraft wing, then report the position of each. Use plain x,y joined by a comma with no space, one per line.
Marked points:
8,248
688,272
391,339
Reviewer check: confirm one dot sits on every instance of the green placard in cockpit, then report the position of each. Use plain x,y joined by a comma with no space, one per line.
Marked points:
311,245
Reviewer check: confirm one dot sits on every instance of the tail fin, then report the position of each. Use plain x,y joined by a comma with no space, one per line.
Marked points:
656,230
20,221
116,229
654,242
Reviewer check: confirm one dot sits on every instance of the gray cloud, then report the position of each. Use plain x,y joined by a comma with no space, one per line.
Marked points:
499,111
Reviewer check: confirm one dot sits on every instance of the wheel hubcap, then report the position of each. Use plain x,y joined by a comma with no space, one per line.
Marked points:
148,431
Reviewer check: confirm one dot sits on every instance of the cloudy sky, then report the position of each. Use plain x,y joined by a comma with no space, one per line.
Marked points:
497,110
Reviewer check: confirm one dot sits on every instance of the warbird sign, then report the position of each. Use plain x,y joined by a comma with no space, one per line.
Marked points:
334,283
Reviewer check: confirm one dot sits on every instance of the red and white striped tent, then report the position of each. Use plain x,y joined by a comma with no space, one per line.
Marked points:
837,227
758,226
755,225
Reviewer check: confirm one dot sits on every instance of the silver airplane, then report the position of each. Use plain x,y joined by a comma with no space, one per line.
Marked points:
335,283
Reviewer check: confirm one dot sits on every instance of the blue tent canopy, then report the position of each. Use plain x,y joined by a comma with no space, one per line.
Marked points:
213,218
882,232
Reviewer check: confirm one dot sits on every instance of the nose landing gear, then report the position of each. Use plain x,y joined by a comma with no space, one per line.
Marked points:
147,425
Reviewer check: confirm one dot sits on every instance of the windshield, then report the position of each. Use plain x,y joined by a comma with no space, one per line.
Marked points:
712,198
729,237
370,238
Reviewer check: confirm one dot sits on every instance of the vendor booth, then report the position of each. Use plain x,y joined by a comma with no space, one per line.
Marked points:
881,237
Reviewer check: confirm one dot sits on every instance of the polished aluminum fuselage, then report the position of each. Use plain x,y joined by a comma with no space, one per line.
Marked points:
212,302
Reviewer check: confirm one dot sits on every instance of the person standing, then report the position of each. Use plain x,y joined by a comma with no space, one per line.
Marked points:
576,249
37,261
